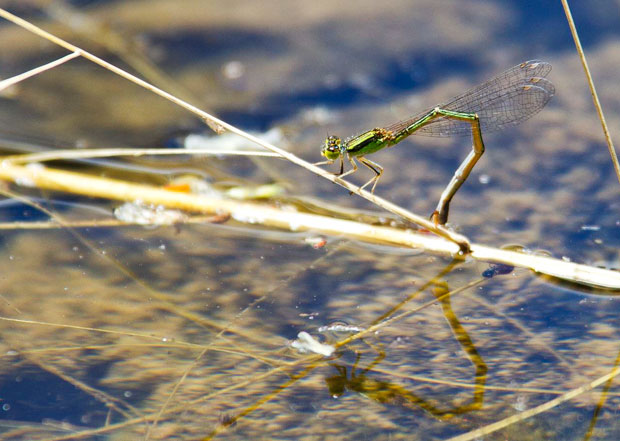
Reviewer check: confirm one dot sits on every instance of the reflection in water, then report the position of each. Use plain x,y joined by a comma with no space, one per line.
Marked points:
601,403
386,392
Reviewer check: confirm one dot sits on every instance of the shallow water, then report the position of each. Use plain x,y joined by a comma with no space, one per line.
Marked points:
107,329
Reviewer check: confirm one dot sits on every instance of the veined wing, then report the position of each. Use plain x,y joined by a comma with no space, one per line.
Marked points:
507,99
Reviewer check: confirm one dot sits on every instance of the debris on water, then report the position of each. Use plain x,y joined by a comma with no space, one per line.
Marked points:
316,242
484,179
232,142
497,269
521,403
26,181
340,327
139,213
305,343
590,228
255,192
233,70
319,115
194,185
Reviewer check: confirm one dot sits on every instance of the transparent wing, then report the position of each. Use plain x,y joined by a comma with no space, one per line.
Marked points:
508,99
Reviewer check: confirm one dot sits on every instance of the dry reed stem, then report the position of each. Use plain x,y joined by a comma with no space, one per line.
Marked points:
55,155
597,104
21,77
251,213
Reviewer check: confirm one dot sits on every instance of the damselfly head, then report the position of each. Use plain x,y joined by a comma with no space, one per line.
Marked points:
333,148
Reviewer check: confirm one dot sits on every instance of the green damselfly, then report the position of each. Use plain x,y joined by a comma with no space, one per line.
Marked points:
507,99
